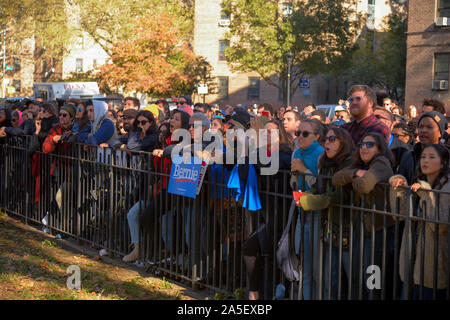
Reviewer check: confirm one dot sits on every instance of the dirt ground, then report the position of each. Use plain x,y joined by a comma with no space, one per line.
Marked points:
33,266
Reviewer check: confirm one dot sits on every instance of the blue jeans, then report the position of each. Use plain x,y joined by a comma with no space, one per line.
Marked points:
133,220
310,252
345,264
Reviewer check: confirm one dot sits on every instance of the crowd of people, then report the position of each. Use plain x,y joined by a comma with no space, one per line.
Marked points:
360,147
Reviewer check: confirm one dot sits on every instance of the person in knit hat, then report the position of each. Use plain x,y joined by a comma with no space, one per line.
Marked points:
431,130
70,109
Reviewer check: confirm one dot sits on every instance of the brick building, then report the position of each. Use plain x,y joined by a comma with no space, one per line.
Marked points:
210,26
428,52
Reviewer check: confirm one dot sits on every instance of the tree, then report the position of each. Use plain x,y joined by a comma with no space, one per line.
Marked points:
111,21
380,59
319,33
45,21
154,60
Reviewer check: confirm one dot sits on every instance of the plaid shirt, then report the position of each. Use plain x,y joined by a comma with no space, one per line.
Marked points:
369,124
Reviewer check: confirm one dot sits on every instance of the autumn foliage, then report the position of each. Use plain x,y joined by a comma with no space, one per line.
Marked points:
155,60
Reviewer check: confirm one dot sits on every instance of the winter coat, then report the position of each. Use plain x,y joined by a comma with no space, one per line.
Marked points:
434,211
101,130
404,159
28,127
323,195
378,170
135,143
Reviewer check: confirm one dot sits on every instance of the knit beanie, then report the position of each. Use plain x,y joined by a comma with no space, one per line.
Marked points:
69,108
437,117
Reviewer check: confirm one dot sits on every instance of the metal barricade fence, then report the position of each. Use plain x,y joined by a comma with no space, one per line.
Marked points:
360,247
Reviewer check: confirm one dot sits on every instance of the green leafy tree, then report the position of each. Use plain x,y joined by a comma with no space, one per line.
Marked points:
45,21
380,59
319,33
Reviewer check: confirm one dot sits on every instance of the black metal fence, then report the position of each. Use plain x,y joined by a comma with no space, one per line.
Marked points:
384,248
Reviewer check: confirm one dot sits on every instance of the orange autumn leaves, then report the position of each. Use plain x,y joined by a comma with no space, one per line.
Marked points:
155,60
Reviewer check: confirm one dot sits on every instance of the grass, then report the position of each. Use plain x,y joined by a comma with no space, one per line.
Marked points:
36,270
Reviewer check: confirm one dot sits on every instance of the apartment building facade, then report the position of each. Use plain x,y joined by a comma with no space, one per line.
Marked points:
428,52
210,25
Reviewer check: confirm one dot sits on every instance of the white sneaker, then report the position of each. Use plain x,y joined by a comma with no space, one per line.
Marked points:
45,220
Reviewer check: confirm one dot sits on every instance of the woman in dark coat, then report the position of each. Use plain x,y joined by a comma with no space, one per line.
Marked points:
372,166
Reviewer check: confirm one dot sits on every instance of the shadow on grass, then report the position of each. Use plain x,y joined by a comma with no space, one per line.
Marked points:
24,253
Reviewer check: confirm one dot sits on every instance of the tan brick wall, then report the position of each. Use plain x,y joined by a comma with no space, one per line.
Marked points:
424,40
207,34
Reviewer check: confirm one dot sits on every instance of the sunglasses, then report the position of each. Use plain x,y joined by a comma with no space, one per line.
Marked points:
357,99
14,120
331,138
368,144
79,109
143,122
63,115
304,134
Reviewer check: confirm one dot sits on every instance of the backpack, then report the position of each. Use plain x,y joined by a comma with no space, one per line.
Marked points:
287,260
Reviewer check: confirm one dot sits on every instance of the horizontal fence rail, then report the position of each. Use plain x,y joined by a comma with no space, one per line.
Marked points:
390,246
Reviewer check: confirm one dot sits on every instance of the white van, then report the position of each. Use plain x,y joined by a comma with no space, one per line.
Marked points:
54,91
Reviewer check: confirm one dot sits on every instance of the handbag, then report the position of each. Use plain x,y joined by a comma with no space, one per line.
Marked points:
287,260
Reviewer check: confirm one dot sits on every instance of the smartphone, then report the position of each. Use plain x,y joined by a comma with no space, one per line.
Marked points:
266,114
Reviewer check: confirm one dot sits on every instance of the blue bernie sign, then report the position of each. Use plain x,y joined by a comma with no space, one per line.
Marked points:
184,177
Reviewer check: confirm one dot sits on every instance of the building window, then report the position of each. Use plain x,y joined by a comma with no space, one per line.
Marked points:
16,84
371,2
16,64
44,65
253,89
443,9
223,44
79,65
224,16
441,66
94,63
222,93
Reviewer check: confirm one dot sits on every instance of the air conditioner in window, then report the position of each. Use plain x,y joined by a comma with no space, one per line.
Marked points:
224,22
440,85
443,21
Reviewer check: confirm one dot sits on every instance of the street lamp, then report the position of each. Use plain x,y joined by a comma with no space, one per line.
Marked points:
289,58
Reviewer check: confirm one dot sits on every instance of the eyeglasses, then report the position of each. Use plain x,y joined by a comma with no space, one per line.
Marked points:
305,134
331,138
14,120
181,102
143,122
367,144
357,99
63,115
381,118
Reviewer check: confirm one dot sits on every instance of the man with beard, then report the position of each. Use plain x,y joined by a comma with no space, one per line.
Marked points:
362,100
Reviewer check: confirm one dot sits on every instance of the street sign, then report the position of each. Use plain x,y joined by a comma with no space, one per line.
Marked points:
8,67
303,83
202,88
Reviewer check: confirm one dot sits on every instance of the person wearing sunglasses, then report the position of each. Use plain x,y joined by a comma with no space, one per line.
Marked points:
81,118
362,99
339,148
304,162
66,117
372,166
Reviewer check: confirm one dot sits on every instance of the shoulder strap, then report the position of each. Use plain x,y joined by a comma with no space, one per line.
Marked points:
290,218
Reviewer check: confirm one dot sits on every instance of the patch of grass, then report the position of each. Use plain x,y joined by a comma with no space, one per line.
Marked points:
49,244
239,294
50,296
165,284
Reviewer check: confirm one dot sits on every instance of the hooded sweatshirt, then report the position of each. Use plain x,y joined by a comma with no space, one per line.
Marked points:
102,129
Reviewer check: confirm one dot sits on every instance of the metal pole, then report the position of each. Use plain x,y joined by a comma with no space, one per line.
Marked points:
4,62
289,85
